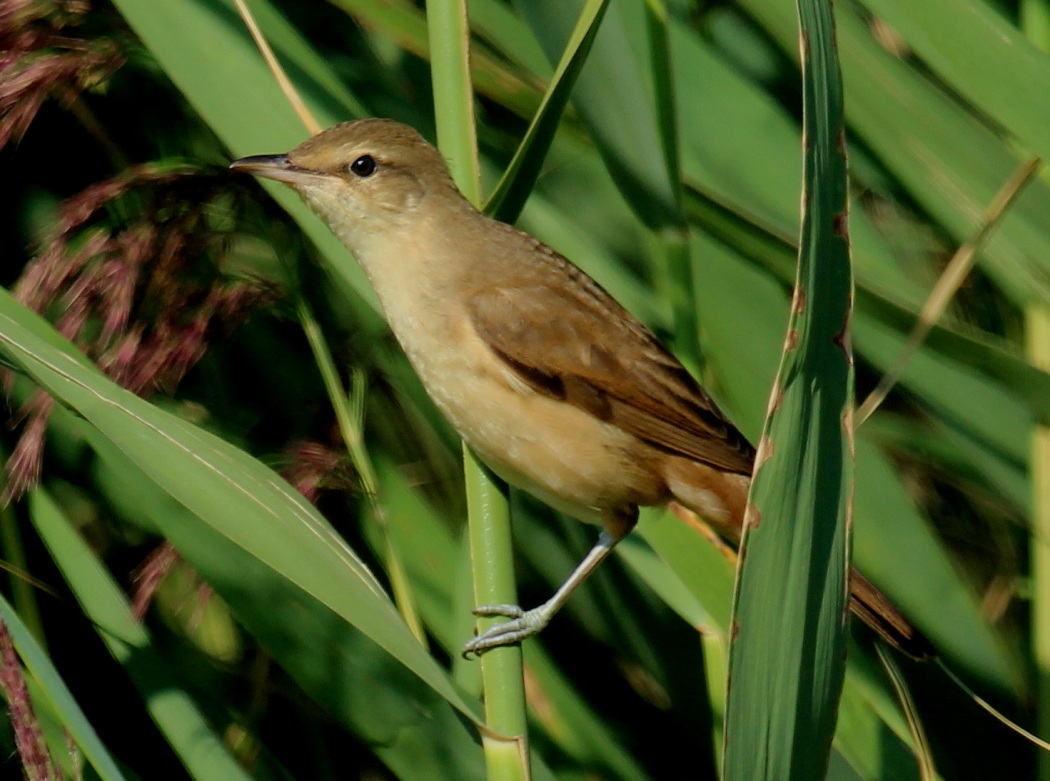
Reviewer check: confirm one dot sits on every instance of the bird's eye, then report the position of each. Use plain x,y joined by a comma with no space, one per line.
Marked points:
363,166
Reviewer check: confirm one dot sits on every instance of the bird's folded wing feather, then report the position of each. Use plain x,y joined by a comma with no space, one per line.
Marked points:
580,346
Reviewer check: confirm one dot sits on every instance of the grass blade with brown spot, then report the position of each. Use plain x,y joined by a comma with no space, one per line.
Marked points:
788,655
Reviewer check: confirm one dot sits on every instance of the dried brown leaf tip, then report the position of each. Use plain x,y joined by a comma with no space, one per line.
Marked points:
142,296
40,58
150,574
161,563
312,468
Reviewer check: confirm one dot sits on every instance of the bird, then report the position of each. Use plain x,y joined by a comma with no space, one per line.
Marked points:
558,388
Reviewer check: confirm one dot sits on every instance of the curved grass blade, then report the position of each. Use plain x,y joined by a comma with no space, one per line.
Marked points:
58,695
788,655
893,543
279,74
517,181
867,707
630,141
627,139
406,25
969,349
174,711
948,285
414,732
242,500
934,145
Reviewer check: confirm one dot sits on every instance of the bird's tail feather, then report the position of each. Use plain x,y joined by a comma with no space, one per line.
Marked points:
719,498
876,610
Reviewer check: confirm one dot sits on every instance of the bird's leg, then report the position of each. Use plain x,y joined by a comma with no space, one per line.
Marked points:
526,623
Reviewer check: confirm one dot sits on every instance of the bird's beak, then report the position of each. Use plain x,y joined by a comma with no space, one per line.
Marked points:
277,167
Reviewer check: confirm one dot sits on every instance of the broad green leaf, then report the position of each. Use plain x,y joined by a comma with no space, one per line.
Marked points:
950,161
787,655
238,497
504,31
893,543
867,709
1007,57
972,353
410,728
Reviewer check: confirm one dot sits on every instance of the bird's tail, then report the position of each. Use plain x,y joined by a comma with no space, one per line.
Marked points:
719,499
875,609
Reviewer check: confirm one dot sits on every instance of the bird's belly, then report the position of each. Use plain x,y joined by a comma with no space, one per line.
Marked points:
562,455
568,458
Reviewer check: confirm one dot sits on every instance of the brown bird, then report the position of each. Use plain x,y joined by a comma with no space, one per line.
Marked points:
558,388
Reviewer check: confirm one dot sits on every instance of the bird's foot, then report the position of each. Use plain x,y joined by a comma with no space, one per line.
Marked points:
522,624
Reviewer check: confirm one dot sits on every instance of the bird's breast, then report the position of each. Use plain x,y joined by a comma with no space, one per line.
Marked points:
559,453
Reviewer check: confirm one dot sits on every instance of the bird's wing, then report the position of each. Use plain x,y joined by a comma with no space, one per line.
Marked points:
573,342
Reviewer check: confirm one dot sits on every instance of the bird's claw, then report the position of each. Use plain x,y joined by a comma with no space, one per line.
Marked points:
522,624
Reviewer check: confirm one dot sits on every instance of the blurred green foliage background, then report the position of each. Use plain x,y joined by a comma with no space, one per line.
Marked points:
266,649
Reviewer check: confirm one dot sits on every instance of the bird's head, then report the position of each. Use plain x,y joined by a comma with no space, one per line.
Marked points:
361,177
